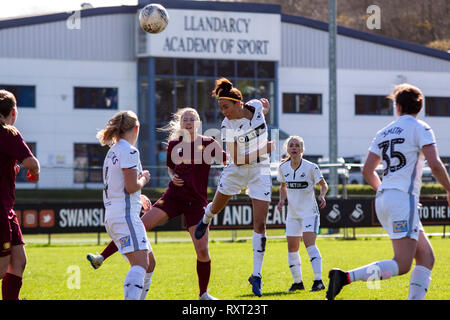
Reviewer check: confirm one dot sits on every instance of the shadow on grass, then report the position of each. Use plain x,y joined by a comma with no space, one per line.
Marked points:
271,294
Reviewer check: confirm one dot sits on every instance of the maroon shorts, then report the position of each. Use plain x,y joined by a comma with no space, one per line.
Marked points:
192,210
10,233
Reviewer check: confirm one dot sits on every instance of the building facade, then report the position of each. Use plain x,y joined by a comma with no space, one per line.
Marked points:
72,71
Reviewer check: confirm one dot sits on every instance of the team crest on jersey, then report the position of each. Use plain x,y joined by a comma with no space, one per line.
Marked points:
125,242
6,246
400,226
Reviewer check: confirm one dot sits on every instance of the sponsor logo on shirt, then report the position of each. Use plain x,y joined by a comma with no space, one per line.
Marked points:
297,185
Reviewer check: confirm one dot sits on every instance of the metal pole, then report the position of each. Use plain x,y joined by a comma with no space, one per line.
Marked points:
332,127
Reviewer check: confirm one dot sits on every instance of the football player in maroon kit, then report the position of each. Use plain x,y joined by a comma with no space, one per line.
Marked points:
12,149
189,159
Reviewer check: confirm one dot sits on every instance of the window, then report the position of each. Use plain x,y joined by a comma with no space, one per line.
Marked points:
88,162
96,98
373,105
437,106
22,175
25,95
310,103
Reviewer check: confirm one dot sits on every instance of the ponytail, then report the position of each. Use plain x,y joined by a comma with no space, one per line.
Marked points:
224,90
7,103
120,123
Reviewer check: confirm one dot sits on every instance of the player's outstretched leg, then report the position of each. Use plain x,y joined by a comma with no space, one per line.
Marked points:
338,279
202,226
96,260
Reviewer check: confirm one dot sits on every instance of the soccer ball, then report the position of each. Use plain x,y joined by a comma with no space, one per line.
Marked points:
153,18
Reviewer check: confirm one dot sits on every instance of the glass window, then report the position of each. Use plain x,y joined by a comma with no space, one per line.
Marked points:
266,89
437,106
88,162
185,93
25,95
164,92
96,98
266,69
185,67
164,66
205,102
302,103
373,105
246,69
247,88
205,68
225,68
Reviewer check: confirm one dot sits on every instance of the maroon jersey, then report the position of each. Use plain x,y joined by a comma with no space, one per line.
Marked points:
191,162
12,149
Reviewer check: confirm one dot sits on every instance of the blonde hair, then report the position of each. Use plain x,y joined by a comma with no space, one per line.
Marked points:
286,144
119,124
174,126
7,103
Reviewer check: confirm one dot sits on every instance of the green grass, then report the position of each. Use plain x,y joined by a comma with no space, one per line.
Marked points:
50,268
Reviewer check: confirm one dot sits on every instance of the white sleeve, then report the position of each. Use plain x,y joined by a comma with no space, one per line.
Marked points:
280,176
374,147
129,158
426,136
317,175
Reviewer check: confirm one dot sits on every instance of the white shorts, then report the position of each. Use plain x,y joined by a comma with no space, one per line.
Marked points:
296,226
128,233
398,213
256,177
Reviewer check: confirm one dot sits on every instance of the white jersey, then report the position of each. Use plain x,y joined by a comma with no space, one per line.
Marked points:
250,135
300,184
118,202
399,145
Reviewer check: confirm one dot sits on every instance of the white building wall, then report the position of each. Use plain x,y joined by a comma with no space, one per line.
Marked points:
54,124
355,132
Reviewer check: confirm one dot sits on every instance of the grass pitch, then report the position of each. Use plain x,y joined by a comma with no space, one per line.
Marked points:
61,271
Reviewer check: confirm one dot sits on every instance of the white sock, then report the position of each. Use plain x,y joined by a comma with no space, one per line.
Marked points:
316,261
207,217
133,283
146,286
419,283
378,270
259,247
295,266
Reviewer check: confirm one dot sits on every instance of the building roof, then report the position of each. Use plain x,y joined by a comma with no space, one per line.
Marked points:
232,6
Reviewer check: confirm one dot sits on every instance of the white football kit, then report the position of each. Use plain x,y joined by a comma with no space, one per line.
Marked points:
122,221
399,145
250,135
303,211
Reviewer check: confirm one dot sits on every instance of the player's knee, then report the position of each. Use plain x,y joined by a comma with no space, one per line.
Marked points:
404,265
203,254
151,263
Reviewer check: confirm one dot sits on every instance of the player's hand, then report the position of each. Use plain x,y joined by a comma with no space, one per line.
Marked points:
280,205
177,180
146,175
16,169
32,177
322,202
266,104
146,204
